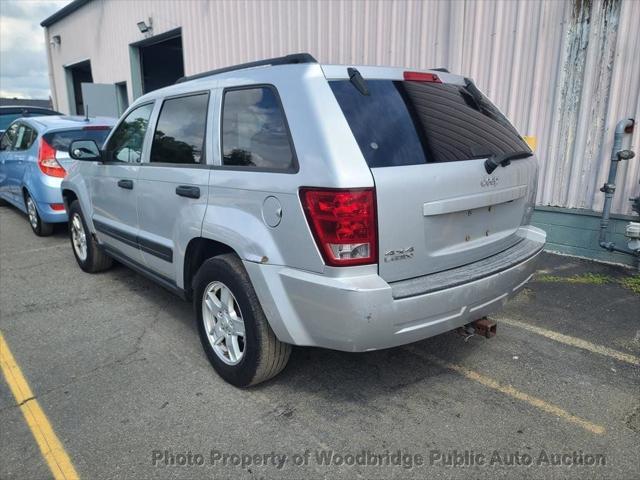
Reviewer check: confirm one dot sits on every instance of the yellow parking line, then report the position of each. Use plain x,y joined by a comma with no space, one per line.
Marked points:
574,342
513,392
50,446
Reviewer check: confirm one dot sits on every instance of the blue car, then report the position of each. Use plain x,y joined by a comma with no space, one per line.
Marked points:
34,159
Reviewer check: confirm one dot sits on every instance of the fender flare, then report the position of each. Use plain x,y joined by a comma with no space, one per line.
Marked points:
82,194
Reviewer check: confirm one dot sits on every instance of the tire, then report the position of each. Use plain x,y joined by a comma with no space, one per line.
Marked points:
91,259
263,356
40,228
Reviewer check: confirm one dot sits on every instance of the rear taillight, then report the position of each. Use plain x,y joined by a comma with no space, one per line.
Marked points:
422,77
343,223
47,161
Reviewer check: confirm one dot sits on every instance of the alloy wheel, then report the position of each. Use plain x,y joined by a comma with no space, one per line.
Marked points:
78,237
32,212
223,323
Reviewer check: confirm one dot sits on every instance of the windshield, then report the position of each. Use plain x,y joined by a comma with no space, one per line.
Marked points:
12,113
410,123
7,118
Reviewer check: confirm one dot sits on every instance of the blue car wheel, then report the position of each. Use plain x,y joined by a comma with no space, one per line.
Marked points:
40,228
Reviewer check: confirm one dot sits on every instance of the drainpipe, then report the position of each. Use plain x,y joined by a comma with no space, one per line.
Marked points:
617,155
52,78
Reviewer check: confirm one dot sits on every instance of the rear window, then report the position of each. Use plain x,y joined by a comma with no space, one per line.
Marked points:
61,140
410,123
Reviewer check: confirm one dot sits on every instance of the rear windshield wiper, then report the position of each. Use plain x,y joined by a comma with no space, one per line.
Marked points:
357,81
504,159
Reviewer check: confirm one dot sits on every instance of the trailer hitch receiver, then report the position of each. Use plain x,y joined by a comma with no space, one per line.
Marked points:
485,327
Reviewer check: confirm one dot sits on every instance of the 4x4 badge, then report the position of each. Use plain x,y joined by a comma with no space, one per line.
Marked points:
489,182
398,254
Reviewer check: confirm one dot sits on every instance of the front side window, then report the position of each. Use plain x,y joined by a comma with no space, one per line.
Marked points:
180,133
254,130
125,145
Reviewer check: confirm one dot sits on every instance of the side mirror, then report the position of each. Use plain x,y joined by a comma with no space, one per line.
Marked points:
85,150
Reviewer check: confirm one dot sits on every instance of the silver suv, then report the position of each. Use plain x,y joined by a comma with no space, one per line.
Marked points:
353,208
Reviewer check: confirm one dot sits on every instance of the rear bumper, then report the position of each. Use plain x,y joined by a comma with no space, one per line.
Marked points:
360,313
45,191
49,215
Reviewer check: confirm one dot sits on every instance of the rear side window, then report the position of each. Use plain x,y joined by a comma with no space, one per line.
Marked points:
254,130
179,135
60,141
25,138
410,123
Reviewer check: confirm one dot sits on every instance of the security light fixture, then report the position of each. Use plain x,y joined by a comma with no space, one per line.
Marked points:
144,28
55,40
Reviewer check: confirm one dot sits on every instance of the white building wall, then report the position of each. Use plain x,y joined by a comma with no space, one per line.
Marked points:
563,71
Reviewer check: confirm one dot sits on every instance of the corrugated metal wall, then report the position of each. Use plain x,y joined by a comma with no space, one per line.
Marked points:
564,71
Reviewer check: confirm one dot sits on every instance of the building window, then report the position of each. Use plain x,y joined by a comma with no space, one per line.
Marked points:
122,96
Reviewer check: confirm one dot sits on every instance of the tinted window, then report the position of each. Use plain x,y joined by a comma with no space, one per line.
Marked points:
61,140
408,123
125,145
179,136
381,123
254,130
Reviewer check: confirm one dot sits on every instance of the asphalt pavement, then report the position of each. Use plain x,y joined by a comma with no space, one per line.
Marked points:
116,365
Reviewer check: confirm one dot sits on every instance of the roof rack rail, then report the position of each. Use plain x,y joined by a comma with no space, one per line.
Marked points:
286,60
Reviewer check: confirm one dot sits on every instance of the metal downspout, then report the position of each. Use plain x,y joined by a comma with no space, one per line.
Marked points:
52,77
609,188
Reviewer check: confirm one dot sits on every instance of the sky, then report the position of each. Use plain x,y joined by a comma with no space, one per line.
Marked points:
23,57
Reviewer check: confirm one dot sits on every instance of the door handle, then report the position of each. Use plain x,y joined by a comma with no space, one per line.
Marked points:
128,184
188,191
